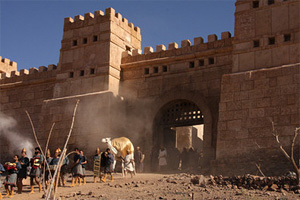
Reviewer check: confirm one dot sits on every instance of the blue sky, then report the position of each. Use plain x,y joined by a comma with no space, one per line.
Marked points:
31,31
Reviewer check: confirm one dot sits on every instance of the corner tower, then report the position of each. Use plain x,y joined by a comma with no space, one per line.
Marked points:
266,34
91,52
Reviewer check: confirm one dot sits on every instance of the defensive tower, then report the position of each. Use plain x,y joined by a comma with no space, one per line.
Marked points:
92,47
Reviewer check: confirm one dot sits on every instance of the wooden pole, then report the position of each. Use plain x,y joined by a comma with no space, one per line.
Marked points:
46,149
64,152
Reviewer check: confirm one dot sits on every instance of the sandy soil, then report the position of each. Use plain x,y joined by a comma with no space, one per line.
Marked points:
153,186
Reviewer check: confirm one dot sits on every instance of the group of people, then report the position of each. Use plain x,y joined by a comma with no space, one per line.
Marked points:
39,167
104,163
17,171
172,159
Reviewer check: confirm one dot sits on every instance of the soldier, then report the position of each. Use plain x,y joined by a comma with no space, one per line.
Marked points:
83,165
11,180
1,171
76,168
109,161
53,164
97,165
24,161
64,168
48,160
35,172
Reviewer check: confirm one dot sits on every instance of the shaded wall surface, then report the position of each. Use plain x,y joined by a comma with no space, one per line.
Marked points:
250,101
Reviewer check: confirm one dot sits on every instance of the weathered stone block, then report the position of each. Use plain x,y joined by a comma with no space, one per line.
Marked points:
225,35
160,47
42,69
256,112
33,70
173,45
212,38
228,96
136,52
234,125
198,40
14,73
185,43
234,105
148,50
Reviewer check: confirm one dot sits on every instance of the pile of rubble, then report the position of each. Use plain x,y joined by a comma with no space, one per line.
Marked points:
250,182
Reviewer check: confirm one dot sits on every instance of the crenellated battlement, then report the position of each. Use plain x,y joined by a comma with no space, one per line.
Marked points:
7,66
98,17
8,62
174,50
29,73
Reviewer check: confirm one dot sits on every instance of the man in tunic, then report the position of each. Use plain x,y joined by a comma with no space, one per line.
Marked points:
139,160
24,161
1,171
76,168
109,161
11,180
162,158
83,165
35,172
128,164
97,165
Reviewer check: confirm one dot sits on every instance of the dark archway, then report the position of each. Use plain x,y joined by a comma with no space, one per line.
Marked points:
160,104
175,114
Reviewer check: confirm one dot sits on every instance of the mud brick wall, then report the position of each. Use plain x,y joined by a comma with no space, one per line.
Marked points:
249,101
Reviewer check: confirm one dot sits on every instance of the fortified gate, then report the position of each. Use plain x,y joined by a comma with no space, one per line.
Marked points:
218,95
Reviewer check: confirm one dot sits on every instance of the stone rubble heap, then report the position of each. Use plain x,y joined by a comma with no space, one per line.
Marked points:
250,182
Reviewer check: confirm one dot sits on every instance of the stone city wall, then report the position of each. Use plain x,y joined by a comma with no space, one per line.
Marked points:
249,102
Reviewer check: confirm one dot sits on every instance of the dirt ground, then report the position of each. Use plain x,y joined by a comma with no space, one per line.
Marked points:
152,186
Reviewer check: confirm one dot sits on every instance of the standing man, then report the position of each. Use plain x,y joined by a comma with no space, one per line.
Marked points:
48,160
97,165
83,165
11,180
24,161
128,164
76,168
52,165
139,159
64,168
1,171
35,172
162,158
109,162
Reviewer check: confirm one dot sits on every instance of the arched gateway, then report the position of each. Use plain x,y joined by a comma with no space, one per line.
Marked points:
176,125
183,119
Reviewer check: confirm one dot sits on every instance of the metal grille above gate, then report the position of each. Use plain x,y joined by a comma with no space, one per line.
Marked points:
182,113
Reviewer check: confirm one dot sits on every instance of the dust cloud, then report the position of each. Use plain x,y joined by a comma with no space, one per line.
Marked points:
16,141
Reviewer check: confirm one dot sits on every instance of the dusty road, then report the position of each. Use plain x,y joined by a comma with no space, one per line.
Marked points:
153,186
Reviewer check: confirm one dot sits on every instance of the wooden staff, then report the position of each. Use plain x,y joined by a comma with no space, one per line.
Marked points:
36,139
64,152
46,149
